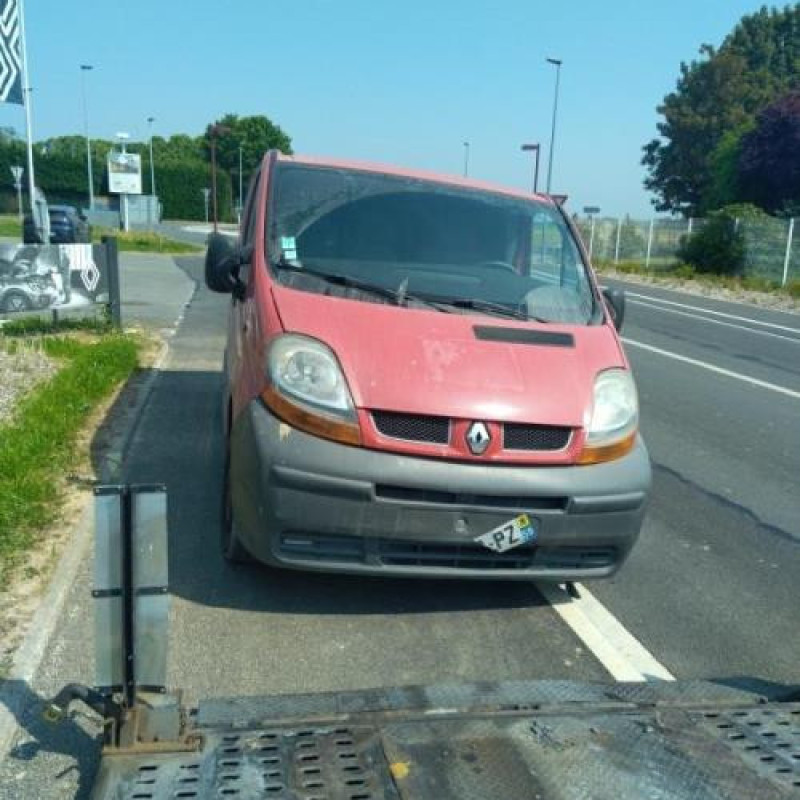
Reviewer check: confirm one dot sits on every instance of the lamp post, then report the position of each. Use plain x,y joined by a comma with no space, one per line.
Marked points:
122,138
150,121
557,64
534,148
466,159
84,69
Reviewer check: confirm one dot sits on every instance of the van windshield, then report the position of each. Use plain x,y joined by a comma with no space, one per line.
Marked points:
474,250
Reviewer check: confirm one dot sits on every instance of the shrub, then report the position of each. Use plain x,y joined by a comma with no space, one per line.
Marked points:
793,288
684,271
719,246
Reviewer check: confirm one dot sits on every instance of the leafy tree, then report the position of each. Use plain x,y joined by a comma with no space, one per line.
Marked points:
721,91
255,135
725,184
179,148
769,161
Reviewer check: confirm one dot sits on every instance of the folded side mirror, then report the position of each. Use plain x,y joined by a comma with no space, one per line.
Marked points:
615,301
222,266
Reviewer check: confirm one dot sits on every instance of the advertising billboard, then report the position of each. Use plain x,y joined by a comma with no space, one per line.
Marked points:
124,173
35,277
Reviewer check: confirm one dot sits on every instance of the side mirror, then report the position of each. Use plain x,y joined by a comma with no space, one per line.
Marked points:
222,266
615,301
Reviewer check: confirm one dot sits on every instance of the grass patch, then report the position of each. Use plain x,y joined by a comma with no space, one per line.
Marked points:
38,445
686,272
10,226
144,242
28,326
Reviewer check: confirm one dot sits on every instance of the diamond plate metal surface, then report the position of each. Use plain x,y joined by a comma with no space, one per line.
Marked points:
548,740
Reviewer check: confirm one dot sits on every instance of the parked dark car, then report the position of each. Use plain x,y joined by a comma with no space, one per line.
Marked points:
67,226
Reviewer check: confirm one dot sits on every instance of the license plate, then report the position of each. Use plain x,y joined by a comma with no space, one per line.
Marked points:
510,534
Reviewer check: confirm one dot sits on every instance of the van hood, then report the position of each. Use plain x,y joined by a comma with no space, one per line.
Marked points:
469,366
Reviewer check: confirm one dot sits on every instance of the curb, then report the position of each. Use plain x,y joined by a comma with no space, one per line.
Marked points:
28,657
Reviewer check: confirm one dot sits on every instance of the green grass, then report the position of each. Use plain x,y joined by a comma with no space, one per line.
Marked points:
28,326
686,272
9,226
38,445
144,242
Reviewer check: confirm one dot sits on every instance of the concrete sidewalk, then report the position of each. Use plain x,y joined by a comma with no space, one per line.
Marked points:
154,291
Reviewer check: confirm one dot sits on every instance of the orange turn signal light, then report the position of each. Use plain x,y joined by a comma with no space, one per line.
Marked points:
305,420
607,452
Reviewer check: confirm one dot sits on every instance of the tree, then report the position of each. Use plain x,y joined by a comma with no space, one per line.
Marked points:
722,91
769,161
725,184
255,135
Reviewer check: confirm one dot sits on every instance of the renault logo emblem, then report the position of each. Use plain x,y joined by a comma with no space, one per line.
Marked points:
478,438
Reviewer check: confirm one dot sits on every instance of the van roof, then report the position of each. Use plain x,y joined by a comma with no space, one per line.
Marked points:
403,172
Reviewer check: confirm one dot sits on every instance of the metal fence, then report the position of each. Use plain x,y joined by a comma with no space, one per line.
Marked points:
772,246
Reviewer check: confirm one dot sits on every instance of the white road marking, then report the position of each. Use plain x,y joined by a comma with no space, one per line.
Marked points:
773,387
618,650
795,339
715,313
210,229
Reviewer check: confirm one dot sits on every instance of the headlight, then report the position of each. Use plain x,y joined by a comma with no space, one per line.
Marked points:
615,417
307,389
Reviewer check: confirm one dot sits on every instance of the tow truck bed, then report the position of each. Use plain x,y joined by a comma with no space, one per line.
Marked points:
533,740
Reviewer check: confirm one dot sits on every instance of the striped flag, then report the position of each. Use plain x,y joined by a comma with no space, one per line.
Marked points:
10,53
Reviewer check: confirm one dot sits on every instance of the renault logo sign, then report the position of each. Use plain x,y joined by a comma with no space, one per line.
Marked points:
478,438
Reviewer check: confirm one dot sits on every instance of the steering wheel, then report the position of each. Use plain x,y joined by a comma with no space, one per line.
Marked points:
498,265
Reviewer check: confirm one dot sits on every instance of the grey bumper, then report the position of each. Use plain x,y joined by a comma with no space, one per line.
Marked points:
307,503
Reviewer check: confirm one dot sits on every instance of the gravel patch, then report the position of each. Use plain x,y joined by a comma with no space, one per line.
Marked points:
21,370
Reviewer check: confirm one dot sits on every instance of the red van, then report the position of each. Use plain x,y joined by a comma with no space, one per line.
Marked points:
422,378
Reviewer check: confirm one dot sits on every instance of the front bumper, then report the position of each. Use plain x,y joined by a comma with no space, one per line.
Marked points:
307,503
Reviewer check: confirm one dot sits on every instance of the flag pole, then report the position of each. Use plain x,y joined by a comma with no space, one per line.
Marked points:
26,96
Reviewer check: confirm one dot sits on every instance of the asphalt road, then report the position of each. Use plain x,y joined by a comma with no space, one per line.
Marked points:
711,591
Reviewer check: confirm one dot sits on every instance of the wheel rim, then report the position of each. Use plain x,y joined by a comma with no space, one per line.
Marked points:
15,303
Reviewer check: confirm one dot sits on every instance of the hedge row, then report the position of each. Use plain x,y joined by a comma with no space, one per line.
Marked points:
63,178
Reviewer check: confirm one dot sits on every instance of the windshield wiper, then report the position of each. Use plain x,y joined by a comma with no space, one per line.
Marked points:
399,297
486,307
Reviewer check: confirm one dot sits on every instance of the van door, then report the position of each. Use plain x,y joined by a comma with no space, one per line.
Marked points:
241,316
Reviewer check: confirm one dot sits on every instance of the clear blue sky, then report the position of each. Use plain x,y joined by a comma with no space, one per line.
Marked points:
403,82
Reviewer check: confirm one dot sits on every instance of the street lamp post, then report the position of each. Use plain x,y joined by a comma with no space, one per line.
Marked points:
527,148
557,64
466,159
84,69
150,121
122,138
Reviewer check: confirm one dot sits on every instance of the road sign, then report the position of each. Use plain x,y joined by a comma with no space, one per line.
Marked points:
17,173
591,210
